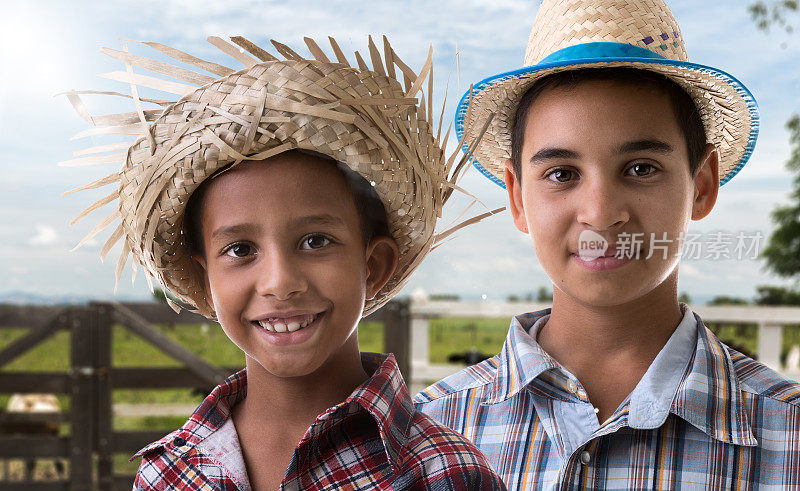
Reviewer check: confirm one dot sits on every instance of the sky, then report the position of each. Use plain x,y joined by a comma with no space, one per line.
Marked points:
49,47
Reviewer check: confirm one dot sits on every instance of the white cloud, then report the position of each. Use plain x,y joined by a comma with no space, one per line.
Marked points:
691,271
45,236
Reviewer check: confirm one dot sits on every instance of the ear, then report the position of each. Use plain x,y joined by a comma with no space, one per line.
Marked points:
514,188
706,183
203,269
382,257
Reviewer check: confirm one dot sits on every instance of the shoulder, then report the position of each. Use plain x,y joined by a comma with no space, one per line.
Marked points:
761,381
161,463
441,458
173,463
471,378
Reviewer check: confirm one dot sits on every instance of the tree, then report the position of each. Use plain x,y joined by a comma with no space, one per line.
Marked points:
776,12
783,249
685,298
544,295
776,295
782,254
726,300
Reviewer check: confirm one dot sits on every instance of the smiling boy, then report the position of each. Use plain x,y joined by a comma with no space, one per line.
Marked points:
607,134
286,200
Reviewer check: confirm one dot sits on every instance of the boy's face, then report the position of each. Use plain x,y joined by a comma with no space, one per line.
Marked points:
284,251
610,159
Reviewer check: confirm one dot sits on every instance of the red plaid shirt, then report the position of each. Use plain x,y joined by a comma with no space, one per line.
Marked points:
375,439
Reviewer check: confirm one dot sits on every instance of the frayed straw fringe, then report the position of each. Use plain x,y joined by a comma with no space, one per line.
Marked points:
367,112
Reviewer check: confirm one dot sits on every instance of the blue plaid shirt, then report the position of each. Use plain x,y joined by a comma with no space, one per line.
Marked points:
703,417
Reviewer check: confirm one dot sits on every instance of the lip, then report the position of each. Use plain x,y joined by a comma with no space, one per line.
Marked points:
289,338
602,263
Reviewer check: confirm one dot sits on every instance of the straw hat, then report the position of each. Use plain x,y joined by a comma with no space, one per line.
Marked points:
574,34
364,118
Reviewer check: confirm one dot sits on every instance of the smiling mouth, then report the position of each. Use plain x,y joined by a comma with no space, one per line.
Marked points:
287,324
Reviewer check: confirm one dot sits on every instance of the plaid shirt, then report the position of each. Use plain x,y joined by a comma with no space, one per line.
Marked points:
375,439
728,422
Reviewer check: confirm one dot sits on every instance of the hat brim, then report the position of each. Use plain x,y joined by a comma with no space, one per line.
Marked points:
728,109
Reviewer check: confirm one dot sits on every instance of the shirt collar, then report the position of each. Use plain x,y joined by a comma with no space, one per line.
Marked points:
692,377
209,416
384,396
521,360
650,401
710,397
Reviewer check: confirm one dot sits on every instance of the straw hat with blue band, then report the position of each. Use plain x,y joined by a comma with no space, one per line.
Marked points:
578,34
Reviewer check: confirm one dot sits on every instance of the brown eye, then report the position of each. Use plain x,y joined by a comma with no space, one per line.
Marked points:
561,175
315,241
239,250
642,170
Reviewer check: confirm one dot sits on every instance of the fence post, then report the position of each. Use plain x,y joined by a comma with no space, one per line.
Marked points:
102,402
770,340
396,334
82,394
420,352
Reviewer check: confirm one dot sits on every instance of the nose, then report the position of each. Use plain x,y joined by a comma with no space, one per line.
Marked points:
601,205
279,275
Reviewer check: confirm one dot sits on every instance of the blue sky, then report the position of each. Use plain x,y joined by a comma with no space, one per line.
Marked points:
48,47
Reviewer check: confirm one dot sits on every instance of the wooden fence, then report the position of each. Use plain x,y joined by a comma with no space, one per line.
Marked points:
92,441
770,322
92,376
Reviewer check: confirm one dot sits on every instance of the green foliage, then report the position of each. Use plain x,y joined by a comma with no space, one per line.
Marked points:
726,300
776,295
685,298
544,294
444,296
766,15
782,253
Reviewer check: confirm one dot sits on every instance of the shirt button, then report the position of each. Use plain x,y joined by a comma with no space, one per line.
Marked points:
572,386
178,441
586,457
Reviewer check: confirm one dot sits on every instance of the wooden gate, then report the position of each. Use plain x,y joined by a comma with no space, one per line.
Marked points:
92,441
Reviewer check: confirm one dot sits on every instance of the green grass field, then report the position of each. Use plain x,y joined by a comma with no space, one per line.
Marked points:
447,336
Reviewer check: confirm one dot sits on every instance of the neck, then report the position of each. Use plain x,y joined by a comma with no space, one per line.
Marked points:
609,348
299,400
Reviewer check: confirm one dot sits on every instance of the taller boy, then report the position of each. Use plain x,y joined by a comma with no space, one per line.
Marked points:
609,133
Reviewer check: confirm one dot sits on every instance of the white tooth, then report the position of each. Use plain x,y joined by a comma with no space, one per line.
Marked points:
265,325
293,326
279,327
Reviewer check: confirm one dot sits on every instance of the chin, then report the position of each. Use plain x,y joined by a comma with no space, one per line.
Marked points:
289,368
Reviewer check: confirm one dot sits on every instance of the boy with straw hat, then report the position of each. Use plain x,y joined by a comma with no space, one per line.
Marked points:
286,200
609,141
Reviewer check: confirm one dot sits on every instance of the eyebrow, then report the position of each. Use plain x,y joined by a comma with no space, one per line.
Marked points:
651,145
555,153
323,219
252,229
233,230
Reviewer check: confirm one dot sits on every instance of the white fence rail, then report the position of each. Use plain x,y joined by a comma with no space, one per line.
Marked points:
769,320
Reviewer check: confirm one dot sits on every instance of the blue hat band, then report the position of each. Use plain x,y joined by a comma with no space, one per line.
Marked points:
600,50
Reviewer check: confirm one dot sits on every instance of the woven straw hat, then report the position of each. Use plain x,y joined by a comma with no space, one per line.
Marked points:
575,34
362,117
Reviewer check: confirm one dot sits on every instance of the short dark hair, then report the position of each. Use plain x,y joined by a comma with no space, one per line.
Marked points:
371,211
685,110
